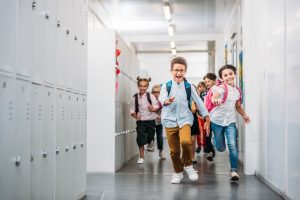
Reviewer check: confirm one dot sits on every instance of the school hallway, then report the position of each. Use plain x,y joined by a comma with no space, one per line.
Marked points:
151,181
72,106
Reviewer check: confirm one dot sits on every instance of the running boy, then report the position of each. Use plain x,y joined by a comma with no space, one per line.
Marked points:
177,118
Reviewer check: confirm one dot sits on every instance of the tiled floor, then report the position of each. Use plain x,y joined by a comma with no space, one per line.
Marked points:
151,181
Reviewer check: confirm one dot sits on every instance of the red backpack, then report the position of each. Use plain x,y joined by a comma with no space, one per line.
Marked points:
210,105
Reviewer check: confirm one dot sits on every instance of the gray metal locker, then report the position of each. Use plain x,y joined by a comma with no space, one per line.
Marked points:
48,143
24,38
8,159
83,143
22,139
37,116
8,16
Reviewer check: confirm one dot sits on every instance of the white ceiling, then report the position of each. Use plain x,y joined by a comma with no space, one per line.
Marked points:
142,23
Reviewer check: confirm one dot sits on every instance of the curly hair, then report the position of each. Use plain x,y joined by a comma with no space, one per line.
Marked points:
179,60
210,76
142,80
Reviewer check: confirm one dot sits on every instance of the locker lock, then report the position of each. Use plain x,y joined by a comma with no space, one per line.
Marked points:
68,31
4,85
44,154
67,149
81,144
82,43
33,5
58,24
75,38
18,161
74,146
57,151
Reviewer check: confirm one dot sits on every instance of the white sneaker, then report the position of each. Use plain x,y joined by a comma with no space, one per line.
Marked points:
162,155
193,176
140,161
150,147
176,178
234,176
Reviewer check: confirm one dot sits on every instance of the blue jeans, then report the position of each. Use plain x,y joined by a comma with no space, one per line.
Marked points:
230,132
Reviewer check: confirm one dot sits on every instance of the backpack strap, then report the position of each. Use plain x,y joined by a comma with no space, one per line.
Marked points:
188,91
149,98
136,103
226,92
168,87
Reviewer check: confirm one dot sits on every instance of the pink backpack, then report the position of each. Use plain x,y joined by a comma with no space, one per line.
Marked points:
210,105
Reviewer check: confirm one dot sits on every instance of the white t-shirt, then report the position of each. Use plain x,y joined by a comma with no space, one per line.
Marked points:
224,114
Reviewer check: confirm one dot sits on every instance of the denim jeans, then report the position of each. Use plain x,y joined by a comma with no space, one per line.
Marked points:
230,132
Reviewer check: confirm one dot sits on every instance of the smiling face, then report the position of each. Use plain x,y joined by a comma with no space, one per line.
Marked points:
143,86
228,76
209,83
178,71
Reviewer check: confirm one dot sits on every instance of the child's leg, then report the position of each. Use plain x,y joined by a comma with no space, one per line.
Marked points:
141,137
219,136
159,137
174,145
186,144
142,151
193,145
231,136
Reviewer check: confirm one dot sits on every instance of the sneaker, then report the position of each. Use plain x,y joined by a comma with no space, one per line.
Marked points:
162,155
193,176
234,176
150,147
194,161
210,156
140,161
198,149
176,178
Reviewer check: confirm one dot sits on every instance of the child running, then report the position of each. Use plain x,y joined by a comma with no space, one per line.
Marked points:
143,108
159,129
227,99
177,119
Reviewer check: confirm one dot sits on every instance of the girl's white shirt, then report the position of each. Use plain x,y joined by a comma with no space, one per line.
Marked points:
224,114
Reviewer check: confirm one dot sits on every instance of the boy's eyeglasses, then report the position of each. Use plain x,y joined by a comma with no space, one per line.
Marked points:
179,70
155,92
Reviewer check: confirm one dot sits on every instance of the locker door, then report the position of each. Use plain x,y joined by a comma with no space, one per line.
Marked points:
48,144
60,43
8,159
24,38
48,50
69,144
83,145
37,109
8,16
60,180
22,139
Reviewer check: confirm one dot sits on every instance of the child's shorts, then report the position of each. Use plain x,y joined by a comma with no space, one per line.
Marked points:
195,128
145,132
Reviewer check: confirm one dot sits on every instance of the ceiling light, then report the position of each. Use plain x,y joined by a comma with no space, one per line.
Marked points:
173,51
171,30
167,11
172,44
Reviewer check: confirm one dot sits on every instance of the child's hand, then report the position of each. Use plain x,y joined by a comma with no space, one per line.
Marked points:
207,126
151,109
217,101
169,101
246,119
138,116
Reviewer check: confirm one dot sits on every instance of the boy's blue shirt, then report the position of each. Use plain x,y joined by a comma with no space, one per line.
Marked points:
178,113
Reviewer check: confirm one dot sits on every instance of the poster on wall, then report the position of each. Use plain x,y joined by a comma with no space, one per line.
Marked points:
240,70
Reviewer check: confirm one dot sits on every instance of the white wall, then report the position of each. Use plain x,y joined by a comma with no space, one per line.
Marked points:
271,68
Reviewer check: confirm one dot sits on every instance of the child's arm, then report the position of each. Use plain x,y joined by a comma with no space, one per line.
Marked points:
154,107
163,97
202,109
240,110
132,111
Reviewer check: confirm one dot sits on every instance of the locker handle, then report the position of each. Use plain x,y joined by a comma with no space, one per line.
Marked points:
44,154
74,146
67,149
31,157
18,161
57,151
81,144
33,5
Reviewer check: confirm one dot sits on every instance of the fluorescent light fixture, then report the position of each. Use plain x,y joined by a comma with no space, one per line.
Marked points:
167,11
173,51
172,44
171,30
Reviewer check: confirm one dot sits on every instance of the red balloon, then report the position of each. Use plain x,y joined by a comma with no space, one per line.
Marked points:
117,63
118,52
118,71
